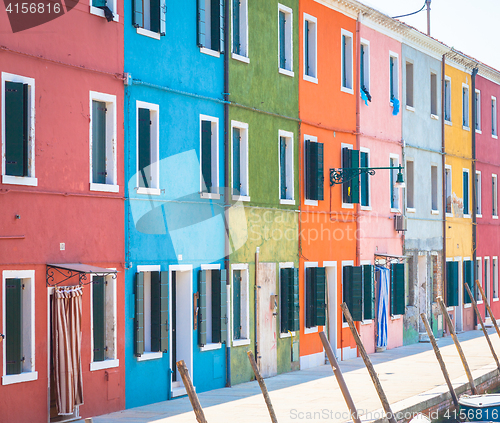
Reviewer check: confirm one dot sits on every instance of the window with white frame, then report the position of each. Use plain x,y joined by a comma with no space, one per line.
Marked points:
315,296
239,29
409,84
285,40
347,61
494,195
18,316
289,299
310,48
104,353
434,94
103,171
410,185
448,193
18,130
148,17
393,77
434,188
239,159
479,278
494,271
487,286
240,321
447,99
478,194
286,177
364,178
148,130
466,192
313,170
477,105
394,162
465,106
210,25
209,156
106,9
364,73
494,115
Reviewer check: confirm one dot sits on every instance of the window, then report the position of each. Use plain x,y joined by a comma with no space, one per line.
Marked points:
18,308
285,40
211,26
209,157
479,278
465,197
347,61
478,194
487,278
240,160
409,85
468,269
289,298
105,9
148,180
314,172
434,95
447,99
452,283
18,130
212,303
410,185
365,69
465,106
151,312
494,271
358,291
394,162
350,189
286,180
315,297
240,30
149,17
477,105
241,305
398,295
448,193
104,353
393,77
103,172
310,48
434,188
364,179
494,114
494,196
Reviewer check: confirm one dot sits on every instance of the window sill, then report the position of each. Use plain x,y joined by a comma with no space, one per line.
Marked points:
311,79
479,216
449,214
435,212
365,208
479,302
243,59
150,356
287,202
105,364
311,330
467,305
478,131
466,216
148,191
240,342
495,137
286,72
495,299
209,52
99,12
347,205
494,217
178,392
148,33
448,122
241,198
465,128
19,180
23,377
411,210
287,335
347,90
435,117
451,308
210,196
211,347
410,108
104,187
396,317
395,210
311,203
366,322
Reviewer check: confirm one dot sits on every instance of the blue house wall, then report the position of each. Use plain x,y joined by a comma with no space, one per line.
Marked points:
176,227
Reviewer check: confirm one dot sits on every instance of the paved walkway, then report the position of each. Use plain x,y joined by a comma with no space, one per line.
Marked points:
408,374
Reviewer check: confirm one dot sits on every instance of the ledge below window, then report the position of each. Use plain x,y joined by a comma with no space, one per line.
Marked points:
241,198
495,137
435,212
148,191
448,122
287,202
240,342
410,108
396,317
347,90
150,356
286,72
435,117
19,180
287,335
411,210
210,52
311,330
104,187
310,202
105,364
211,347
312,79
22,377
243,59
148,33
99,12
209,196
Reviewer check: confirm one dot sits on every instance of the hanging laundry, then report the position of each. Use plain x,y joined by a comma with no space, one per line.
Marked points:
395,105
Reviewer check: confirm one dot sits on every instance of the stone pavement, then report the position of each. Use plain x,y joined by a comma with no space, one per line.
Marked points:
409,375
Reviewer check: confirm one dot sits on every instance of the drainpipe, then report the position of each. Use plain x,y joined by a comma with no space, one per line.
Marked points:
474,187
358,127
443,157
256,306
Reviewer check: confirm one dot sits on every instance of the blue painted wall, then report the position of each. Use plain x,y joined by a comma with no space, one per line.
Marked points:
177,222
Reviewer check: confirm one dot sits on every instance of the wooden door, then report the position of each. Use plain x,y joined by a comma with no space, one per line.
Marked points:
266,319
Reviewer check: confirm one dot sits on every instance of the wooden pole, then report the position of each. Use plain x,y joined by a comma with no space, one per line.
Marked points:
340,378
186,379
369,365
262,387
474,304
457,344
487,304
440,359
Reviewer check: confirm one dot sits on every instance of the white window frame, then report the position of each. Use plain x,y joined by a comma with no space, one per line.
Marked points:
345,205
111,184
99,12
461,271
464,170
290,174
289,39
244,57
395,81
477,105
410,108
366,65
155,147
369,206
494,200
447,106
494,118
308,202
410,209
246,280
210,346
433,210
313,52
435,115
345,263
286,265
113,361
486,279
349,56
215,153
29,180
479,184
494,273
479,278
448,167
244,178
394,209
307,265
28,313
466,127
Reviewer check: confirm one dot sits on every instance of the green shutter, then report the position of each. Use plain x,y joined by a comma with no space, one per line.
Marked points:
468,280
236,161
364,180
14,326
346,287
306,47
222,13
311,170
202,308
223,306
344,61
144,148
138,13
346,186
350,160
452,283
216,306
398,305
285,289
466,192
355,180
369,292
320,296
206,153
296,302
283,168
320,178
16,129
139,314
310,297
356,306
99,3
391,71
237,304
163,17
155,15
164,311
99,317
236,27
200,23
362,67
215,25
282,21
155,311
98,142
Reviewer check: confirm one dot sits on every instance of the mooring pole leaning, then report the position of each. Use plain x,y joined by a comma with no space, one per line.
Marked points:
195,403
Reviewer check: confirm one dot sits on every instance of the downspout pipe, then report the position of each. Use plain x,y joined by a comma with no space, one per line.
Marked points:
443,158
357,96
474,186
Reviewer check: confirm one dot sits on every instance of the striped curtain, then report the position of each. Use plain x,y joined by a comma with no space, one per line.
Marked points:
66,348
382,306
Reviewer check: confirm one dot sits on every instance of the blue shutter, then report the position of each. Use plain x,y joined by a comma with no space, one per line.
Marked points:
99,317
283,186
236,27
216,306
344,61
282,21
155,310
206,154
139,314
14,326
236,161
138,13
362,68
99,3
164,311
202,308
163,17
16,129
98,142
452,283
468,280
398,305
200,23
391,70
369,293
223,306
306,47
320,294
222,13
144,148
215,24
237,304
154,15
320,177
